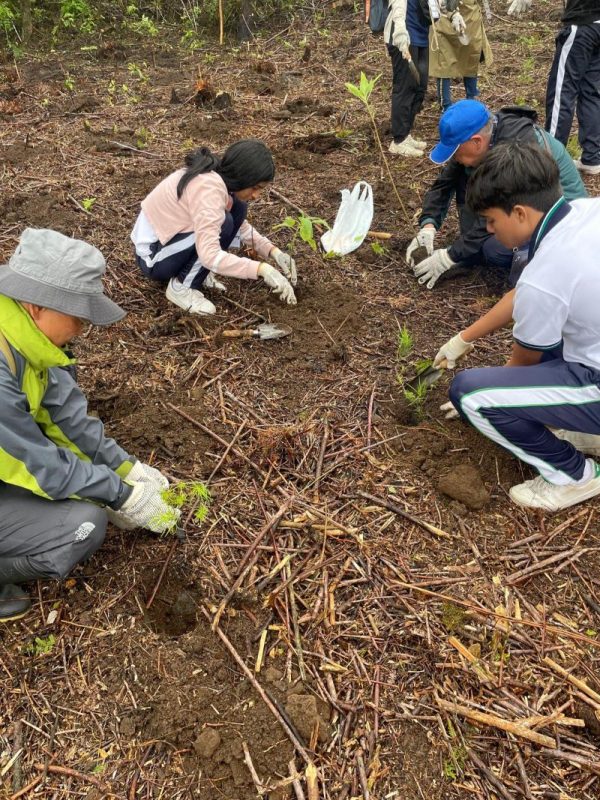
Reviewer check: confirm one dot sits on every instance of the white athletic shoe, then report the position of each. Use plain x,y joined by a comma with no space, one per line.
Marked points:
211,282
589,169
586,442
189,299
418,144
404,148
538,493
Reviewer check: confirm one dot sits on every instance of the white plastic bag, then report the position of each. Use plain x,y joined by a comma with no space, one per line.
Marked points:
352,222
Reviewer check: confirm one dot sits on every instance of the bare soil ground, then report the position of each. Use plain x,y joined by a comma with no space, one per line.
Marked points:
116,685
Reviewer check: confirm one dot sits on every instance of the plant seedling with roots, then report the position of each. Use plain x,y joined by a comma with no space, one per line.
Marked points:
183,494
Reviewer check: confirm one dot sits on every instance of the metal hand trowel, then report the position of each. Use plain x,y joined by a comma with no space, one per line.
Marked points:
268,330
426,377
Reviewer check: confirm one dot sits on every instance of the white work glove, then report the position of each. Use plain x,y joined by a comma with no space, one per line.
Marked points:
401,40
278,283
286,263
431,268
144,473
519,7
449,411
145,508
424,238
211,282
451,352
458,23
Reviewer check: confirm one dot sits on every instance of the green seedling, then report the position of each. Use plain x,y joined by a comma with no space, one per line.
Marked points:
455,764
142,137
137,72
39,646
303,228
69,83
363,92
180,495
88,203
378,249
573,147
416,399
405,343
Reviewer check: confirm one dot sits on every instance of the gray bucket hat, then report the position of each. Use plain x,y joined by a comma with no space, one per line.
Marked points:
57,272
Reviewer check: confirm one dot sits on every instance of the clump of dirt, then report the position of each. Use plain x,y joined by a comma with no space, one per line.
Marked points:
304,713
464,483
319,142
42,211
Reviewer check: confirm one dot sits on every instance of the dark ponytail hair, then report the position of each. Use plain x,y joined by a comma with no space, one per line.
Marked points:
244,165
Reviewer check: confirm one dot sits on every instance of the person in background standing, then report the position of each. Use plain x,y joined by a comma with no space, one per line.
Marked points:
406,36
574,79
457,46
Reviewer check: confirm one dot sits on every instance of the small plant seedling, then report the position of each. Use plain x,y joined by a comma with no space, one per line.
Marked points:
69,83
88,203
378,249
405,342
573,147
142,137
416,399
40,646
137,72
180,495
303,227
363,92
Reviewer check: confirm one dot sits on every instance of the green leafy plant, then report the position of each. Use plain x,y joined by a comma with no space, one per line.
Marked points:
142,137
76,14
454,766
143,26
69,83
573,146
88,203
39,646
183,494
303,228
137,72
378,249
416,399
363,92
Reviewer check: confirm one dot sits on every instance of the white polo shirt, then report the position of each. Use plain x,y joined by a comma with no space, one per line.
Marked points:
558,294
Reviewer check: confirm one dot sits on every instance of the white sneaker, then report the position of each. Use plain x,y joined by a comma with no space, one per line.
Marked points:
189,299
418,144
538,493
211,282
404,148
589,169
586,442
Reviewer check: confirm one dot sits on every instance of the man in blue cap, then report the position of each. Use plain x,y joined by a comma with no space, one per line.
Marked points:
468,130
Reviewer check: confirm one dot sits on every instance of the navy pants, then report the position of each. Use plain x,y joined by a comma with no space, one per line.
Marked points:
574,85
407,94
515,406
178,257
444,90
42,538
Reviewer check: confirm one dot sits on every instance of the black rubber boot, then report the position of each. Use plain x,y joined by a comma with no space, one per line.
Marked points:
14,603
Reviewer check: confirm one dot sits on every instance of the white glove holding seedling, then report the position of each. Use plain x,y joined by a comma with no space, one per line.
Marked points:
451,352
145,508
144,473
278,283
211,282
286,263
431,268
519,7
449,411
424,238
401,40
458,23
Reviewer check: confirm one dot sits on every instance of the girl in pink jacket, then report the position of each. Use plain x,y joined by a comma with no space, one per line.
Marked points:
188,222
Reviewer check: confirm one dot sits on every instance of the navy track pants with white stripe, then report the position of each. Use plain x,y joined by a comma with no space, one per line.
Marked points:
515,406
574,85
178,257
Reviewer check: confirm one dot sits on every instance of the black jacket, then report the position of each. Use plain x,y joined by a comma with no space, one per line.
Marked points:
581,12
452,181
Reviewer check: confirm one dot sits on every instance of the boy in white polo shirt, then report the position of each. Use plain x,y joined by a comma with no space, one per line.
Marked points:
552,379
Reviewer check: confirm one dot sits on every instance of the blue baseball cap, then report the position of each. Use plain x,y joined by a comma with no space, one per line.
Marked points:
457,125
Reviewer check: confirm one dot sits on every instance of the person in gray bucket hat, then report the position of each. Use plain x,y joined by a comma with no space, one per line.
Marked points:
61,478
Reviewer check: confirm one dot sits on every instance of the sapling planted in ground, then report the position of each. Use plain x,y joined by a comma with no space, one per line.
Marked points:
303,228
183,494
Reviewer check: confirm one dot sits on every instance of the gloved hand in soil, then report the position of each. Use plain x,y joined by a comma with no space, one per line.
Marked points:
458,23
286,263
431,268
424,238
145,508
144,473
449,411
211,282
519,7
451,352
278,283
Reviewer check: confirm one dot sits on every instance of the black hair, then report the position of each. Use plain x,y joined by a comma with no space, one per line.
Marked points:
244,164
514,174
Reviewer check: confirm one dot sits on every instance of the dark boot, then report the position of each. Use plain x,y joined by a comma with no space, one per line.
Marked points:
14,603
